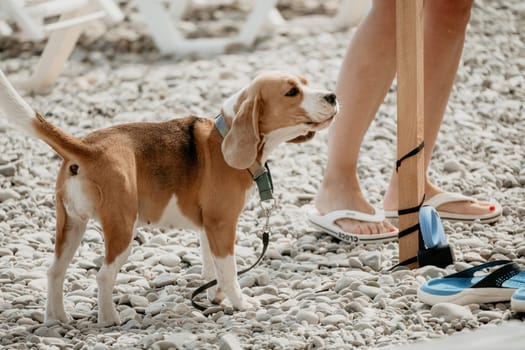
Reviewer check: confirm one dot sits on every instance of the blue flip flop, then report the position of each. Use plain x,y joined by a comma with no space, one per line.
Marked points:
517,302
466,288
431,228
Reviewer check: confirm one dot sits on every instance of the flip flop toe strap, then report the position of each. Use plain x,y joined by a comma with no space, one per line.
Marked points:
447,197
470,272
498,277
354,215
495,279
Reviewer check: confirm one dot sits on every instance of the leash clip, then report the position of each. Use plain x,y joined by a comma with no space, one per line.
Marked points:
268,207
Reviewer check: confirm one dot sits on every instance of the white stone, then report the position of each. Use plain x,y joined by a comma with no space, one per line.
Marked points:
450,312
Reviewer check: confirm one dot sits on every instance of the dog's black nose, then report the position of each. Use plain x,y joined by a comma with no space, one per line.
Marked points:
330,98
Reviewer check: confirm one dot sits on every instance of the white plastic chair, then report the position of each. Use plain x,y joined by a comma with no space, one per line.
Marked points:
35,19
163,23
349,13
163,26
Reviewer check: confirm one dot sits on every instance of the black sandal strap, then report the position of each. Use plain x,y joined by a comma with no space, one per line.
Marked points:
497,278
408,230
404,263
410,154
415,227
413,209
471,271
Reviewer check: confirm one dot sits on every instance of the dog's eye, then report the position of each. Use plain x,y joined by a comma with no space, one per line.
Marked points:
292,92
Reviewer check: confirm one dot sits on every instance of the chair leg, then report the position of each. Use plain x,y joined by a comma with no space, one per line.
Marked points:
255,21
160,24
26,23
5,29
58,49
275,18
178,8
111,9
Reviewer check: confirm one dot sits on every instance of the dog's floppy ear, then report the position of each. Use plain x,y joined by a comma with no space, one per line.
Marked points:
240,145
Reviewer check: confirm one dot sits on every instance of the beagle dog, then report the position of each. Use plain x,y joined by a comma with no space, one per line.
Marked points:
180,173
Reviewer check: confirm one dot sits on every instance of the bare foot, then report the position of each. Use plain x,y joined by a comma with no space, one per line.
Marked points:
337,198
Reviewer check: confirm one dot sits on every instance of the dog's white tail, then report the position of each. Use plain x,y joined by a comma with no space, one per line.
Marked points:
18,112
14,107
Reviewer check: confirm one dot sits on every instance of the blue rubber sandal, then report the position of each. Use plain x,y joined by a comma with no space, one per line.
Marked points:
465,288
517,302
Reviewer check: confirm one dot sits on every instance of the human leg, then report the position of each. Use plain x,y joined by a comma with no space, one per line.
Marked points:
365,77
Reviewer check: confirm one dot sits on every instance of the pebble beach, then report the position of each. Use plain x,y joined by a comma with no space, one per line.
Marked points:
315,292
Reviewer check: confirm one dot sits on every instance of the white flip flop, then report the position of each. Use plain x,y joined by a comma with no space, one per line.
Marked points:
447,197
326,223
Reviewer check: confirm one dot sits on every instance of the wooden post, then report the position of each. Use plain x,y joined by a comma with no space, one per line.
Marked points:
409,50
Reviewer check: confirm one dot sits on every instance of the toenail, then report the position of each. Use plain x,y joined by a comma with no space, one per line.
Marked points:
492,208
392,229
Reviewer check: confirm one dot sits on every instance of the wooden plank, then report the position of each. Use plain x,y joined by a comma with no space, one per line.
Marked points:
409,51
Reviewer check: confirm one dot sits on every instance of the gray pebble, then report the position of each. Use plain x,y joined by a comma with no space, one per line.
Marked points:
138,301
165,280
8,194
333,320
170,260
127,314
230,342
431,271
180,339
317,343
7,170
451,166
343,283
371,259
148,340
369,291
308,316
100,346
47,332
155,308
247,281
5,251
449,312
490,315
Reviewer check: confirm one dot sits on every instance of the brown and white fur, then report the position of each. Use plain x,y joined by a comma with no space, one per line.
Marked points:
179,173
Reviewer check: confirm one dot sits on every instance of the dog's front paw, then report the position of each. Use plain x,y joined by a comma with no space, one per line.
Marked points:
108,319
52,317
216,295
247,303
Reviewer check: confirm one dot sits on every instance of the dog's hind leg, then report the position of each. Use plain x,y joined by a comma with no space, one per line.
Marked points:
118,233
69,232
